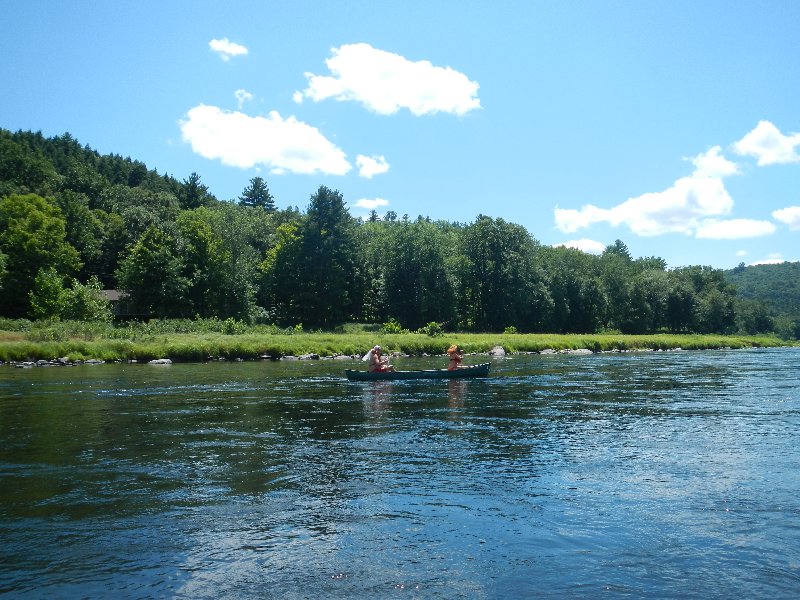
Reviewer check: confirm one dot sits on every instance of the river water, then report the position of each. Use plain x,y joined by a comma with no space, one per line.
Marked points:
662,475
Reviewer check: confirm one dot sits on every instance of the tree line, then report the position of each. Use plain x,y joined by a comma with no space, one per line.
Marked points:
73,222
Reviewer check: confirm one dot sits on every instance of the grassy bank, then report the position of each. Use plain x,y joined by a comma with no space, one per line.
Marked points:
112,345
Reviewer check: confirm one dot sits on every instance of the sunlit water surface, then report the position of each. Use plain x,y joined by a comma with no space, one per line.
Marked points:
617,475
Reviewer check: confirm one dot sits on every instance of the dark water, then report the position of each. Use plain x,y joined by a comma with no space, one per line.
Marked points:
657,474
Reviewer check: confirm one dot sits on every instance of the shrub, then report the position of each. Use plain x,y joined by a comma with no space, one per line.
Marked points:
392,326
231,326
510,330
432,329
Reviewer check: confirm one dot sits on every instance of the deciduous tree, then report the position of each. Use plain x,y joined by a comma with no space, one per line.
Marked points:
33,237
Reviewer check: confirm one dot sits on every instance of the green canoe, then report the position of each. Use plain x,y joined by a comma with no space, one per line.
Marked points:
473,371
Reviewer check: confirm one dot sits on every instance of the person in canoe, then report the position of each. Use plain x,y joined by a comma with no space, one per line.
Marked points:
456,355
378,363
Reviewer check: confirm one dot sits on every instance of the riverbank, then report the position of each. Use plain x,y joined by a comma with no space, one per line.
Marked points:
16,347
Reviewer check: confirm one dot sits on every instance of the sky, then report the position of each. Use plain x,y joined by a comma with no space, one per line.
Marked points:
672,126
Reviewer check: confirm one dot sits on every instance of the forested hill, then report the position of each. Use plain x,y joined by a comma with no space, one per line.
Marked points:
777,285
73,222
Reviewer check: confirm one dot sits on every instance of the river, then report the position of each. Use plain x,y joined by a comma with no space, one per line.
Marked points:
659,475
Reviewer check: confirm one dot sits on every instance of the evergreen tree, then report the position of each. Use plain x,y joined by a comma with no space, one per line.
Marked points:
193,193
256,194
326,291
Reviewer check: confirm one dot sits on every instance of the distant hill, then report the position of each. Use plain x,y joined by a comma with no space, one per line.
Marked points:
776,285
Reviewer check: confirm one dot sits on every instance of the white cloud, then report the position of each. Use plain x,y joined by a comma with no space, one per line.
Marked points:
584,245
734,229
789,216
713,164
371,204
741,253
769,146
385,83
371,165
772,259
227,49
681,208
242,96
282,145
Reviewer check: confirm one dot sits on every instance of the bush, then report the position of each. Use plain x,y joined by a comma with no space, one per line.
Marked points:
392,326
15,324
432,329
510,330
233,327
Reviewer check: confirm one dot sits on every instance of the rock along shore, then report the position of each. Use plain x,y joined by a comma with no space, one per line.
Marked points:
496,352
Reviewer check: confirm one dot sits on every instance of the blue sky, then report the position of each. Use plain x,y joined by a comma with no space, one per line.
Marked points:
669,125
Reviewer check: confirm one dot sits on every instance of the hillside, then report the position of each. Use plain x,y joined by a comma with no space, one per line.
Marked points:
776,285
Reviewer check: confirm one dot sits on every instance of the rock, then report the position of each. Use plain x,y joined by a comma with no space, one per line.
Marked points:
497,351
160,361
311,356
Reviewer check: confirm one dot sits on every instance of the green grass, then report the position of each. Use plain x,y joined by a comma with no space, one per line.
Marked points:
164,340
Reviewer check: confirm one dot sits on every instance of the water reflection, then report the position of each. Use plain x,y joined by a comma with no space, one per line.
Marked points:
376,396
457,389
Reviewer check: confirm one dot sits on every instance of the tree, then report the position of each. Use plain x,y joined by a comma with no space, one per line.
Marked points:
205,260
418,288
193,193
48,296
618,248
86,302
256,194
238,229
24,168
152,275
326,290
33,237
500,285
281,272
113,239
3,261
83,228
578,295
752,317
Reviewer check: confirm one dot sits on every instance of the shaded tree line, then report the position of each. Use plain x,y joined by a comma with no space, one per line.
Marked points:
73,222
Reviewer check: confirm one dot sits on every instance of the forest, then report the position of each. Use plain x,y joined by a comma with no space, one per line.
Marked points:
74,223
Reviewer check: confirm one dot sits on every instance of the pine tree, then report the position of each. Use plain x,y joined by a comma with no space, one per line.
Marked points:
257,194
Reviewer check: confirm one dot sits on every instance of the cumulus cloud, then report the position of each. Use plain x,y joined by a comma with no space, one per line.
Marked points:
371,165
734,229
385,83
371,204
713,164
789,216
681,208
772,259
769,146
584,245
281,145
242,96
227,49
